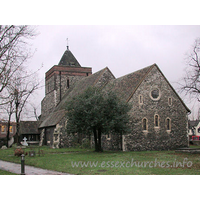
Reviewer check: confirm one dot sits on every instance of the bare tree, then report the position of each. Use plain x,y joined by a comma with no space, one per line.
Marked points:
34,107
17,83
13,50
191,81
10,111
22,87
7,111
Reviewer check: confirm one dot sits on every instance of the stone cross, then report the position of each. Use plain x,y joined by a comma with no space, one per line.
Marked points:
25,143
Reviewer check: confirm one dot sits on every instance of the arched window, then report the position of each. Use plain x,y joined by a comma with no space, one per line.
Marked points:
156,120
168,124
144,124
169,101
140,99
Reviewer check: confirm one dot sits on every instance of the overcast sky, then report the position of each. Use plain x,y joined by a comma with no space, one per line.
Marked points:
123,49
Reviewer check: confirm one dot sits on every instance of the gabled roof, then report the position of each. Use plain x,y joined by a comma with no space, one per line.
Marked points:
82,85
28,127
53,118
69,59
59,112
193,123
126,85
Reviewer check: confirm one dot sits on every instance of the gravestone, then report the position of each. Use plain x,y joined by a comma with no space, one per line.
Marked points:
24,143
10,142
4,147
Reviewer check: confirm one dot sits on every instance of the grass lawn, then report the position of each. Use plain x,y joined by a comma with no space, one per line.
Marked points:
109,162
2,172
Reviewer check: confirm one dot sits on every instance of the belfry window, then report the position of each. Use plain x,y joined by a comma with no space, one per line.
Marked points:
67,83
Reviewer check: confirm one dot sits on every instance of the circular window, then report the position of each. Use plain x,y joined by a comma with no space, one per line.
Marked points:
155,94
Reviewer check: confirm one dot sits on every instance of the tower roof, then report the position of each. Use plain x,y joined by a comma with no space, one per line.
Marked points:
69,59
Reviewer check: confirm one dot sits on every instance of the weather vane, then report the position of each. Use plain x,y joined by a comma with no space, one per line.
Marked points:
67,44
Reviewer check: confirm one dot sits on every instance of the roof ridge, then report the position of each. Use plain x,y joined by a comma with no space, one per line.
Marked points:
136,71
150,68
103,70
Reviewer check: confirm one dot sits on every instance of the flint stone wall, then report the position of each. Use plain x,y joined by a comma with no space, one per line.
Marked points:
156,138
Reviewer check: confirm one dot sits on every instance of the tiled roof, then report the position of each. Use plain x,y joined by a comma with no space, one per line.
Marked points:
28,127
81,86
126,85
69,59
53,118
193,123
78,88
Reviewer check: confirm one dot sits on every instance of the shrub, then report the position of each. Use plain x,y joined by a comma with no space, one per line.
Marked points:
19,152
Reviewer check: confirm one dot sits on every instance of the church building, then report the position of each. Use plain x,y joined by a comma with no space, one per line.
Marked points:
159,117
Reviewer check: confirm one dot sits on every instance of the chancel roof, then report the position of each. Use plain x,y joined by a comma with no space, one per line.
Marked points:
126,85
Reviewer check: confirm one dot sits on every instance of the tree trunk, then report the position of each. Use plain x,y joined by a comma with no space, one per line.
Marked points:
17,132
17,118
95,138
99,140
8,132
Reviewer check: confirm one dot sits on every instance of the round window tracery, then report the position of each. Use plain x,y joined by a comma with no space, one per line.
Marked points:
155,94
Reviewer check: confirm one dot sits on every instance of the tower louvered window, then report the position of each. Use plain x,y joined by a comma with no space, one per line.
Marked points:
67,83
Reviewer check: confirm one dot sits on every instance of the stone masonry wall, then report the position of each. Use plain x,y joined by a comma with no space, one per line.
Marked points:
69,140
156,138
48,103
106,77
143,106
52,90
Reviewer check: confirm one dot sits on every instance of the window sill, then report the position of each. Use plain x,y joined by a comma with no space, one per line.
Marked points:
145,132
156,128
168,131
